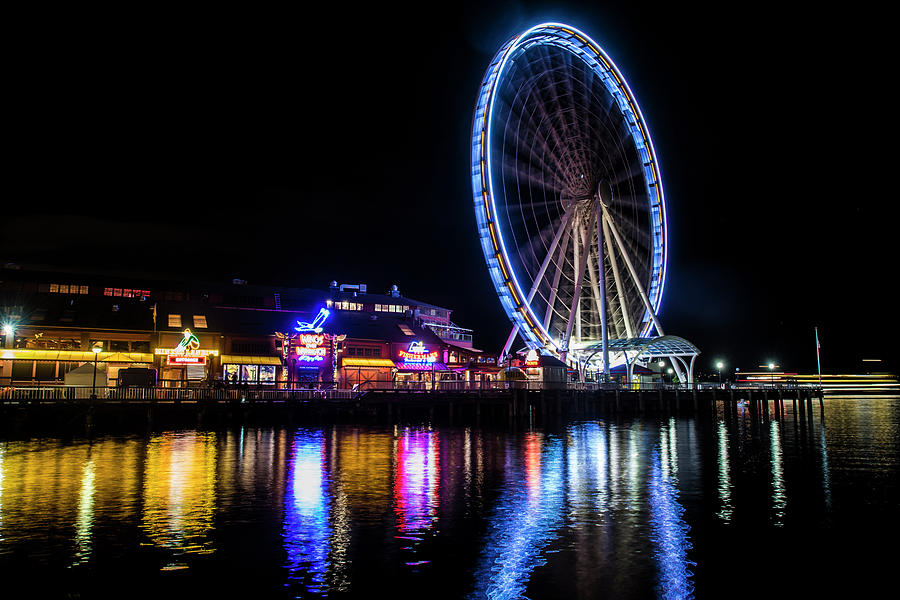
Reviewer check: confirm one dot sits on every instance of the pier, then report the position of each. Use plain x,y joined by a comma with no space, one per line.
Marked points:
62,407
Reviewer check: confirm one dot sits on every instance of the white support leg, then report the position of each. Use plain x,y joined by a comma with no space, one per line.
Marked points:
629,331
632,271
604,325
579,280
556,277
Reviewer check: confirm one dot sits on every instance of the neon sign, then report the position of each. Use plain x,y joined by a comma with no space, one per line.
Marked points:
187,352
316,325
418,353
532,359
311,347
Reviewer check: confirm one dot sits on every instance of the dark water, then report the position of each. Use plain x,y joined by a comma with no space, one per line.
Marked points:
607,508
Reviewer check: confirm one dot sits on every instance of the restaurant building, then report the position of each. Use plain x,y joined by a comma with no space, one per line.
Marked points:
195,333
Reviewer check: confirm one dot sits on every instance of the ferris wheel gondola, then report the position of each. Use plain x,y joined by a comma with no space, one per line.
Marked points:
568,195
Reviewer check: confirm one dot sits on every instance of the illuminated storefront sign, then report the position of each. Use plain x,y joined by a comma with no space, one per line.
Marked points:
417,353
316,325
187,352
177,359
532,359
311,347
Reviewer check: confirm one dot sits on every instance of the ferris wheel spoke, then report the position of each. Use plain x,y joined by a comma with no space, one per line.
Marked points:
539,122
551,105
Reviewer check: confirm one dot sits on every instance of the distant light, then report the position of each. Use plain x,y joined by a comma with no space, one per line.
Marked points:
670,371
720,364
771,365
871,360
97,349
7,329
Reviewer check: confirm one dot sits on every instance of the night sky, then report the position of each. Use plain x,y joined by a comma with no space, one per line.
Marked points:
295,148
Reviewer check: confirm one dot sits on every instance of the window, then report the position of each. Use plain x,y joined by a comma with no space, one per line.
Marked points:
174,320
54,288
405,329
83,289
107,291
200,321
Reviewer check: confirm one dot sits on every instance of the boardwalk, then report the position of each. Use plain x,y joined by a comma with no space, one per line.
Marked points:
52,407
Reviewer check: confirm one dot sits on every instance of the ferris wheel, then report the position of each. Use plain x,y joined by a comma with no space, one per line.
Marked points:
568,196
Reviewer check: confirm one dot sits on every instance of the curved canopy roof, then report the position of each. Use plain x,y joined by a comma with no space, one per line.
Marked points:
666,345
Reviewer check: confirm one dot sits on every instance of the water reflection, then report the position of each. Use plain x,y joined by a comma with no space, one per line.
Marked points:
179,495
668,530
416,485
307,531
779,496
724,486
619,508
85,521
525,520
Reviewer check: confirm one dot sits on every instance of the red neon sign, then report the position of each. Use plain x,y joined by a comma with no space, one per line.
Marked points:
181,359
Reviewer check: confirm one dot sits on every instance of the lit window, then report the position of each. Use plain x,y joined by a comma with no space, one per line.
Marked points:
83,289
145,292
174,320
107,291
63,288
127,293
117,291
54,288
405,329
200,321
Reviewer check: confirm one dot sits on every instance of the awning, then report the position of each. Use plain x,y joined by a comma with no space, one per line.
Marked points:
421,366
75,355
237,359
366,362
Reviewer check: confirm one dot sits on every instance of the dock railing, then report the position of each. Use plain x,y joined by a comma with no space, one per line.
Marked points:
326,391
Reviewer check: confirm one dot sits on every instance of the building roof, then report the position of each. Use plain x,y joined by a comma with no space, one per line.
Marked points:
378,326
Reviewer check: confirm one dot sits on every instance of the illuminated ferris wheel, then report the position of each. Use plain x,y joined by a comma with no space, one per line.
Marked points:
568,196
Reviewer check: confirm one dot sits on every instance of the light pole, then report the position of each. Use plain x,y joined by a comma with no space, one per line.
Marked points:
96,349
719,366
772,372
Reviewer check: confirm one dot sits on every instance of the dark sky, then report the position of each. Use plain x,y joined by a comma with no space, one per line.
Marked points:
299,147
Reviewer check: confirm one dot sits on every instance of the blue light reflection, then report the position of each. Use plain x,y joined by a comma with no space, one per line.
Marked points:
307,532
668,530
529,512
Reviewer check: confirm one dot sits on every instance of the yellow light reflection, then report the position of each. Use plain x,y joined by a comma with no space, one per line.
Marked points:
363,470
779,496
724,484
180,491
85,519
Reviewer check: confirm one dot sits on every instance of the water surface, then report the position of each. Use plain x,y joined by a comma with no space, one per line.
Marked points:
666,507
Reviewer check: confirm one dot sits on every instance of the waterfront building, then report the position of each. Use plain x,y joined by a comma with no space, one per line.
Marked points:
217,334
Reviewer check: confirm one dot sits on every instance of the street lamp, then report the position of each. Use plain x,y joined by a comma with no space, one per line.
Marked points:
772,371
719,365
96,349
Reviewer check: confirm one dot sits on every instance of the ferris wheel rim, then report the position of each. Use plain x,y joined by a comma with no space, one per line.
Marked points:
510,292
